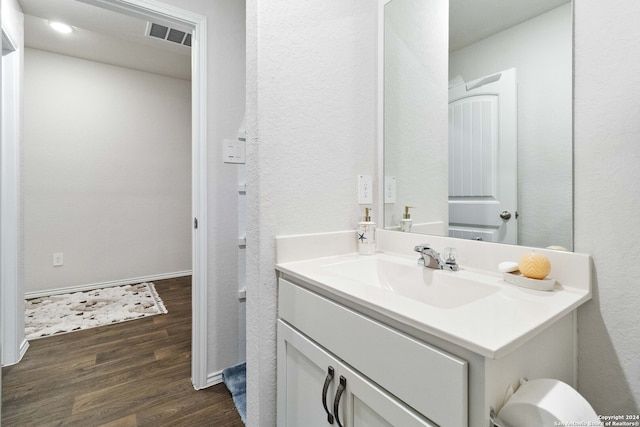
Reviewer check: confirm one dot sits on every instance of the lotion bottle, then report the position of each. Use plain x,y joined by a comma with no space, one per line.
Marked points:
406,222
366,235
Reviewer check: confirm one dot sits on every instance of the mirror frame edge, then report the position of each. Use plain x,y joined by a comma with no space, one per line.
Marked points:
379,204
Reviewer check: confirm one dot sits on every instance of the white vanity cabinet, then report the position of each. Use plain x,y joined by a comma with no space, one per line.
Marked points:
415,350
391,379
313,383
395,377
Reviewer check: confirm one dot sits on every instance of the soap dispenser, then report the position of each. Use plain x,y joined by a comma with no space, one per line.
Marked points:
367,235
406,222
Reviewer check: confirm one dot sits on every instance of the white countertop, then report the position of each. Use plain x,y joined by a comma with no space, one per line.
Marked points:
491,326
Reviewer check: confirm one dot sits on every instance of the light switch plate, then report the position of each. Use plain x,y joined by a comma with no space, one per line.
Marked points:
234,151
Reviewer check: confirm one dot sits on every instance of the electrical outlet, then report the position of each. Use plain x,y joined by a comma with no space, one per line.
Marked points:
389,189
365,189
58,259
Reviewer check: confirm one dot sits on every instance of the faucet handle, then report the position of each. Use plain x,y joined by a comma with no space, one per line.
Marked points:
450,255
422,247
450,262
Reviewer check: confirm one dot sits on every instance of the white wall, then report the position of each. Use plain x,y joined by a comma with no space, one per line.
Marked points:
311,121
607,200
540,50
415,131
107,172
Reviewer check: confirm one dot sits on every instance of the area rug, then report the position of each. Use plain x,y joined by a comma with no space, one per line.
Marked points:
63,313
235,378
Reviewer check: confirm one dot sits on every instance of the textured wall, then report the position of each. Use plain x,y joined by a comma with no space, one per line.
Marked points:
311,121
107,172
607,200
540,50
415,131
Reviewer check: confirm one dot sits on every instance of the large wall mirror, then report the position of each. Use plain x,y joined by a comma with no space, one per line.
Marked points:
478,119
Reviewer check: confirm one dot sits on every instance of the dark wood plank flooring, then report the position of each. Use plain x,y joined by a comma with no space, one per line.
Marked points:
136,373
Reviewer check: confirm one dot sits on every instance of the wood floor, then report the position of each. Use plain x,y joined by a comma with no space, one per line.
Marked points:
135,373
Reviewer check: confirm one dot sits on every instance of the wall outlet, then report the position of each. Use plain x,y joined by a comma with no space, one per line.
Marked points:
365,189
58,259
389,189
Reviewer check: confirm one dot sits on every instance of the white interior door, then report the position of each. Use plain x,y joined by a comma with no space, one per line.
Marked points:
483,159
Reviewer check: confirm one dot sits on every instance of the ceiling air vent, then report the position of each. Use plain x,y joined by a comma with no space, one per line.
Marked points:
169,34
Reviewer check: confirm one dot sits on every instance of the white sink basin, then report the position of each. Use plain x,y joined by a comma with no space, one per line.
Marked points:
473,308
438,288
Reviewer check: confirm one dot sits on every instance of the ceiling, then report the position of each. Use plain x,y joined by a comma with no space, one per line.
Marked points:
474,20
104,36
114,38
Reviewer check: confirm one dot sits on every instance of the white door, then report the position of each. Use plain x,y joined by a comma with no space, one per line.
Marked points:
316,389
483,159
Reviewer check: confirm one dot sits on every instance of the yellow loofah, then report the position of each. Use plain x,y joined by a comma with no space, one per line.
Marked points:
534,265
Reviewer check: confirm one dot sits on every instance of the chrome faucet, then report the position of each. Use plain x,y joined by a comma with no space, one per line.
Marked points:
430,258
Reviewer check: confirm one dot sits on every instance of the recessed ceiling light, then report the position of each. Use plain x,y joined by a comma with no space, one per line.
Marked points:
60,27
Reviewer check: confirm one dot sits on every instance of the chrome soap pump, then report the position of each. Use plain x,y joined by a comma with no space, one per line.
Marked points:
366,235
406,222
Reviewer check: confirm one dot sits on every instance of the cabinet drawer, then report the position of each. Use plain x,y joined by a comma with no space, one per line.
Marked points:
429,380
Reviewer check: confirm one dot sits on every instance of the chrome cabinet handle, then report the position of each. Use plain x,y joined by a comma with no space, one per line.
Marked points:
327,382
336,402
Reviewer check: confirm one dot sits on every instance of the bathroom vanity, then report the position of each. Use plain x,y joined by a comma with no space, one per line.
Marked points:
379,340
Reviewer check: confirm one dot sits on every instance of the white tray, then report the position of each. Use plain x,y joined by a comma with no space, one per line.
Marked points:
516,278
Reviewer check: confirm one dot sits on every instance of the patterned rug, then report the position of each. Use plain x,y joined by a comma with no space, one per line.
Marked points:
63,313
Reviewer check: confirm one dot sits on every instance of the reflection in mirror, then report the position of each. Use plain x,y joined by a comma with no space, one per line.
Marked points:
496,164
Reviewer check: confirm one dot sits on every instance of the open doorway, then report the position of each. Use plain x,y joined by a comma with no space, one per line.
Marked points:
197,216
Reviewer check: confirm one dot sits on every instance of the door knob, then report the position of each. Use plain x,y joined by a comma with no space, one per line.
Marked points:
505,215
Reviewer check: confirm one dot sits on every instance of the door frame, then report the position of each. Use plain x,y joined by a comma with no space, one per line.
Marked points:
152,9
12,332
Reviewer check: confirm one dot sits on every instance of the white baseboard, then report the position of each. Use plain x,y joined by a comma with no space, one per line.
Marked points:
92,286
214,378
24,346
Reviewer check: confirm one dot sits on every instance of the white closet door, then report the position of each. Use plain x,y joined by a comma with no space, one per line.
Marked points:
483,159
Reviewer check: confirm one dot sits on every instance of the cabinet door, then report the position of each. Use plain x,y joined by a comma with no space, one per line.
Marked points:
364,404
302,374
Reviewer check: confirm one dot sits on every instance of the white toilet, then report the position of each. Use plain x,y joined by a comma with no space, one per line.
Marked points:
546,402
